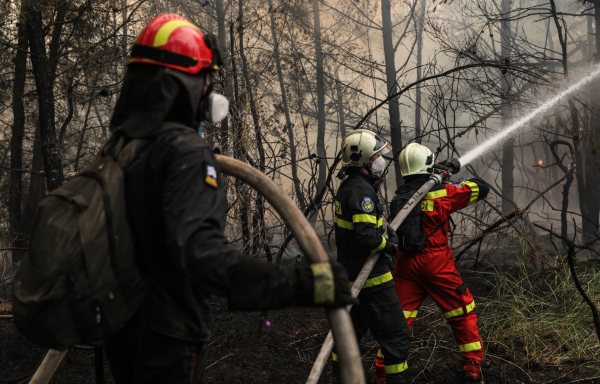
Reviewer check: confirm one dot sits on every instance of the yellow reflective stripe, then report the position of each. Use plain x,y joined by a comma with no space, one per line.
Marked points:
323,283
359,219
334,356
379,353
344,224
459,311
396,368
381,246
376,280
364,219
469,347
471,306
162,36
474,191
427,205
368,219
408,314
338,208
436,194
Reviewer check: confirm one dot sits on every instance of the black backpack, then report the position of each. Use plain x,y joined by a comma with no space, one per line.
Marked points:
79,282
411,237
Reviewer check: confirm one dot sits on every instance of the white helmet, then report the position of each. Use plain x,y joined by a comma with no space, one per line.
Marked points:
359,145
416,159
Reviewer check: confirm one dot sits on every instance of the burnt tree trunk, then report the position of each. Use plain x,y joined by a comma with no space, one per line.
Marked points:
237,126
420,24
286,111
222,37
508,154
16,141
322,175
258,219
392,85
36,183
51,150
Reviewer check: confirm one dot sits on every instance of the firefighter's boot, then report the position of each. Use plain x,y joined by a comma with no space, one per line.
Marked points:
335,373
472,371
396,378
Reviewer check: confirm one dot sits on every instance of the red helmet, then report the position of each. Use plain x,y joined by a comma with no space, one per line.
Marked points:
172,41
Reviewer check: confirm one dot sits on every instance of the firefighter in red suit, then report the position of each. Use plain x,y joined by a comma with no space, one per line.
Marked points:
432,272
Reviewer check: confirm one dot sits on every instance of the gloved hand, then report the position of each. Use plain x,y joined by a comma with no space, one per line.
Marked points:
324,284
453,164
391,245
256,285
390,260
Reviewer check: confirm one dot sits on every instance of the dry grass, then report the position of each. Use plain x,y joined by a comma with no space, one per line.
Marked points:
540,318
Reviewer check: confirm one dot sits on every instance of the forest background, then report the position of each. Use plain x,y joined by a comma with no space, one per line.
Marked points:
301,74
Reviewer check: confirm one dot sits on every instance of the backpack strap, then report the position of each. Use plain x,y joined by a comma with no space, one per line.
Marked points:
169,126
129,152
435,230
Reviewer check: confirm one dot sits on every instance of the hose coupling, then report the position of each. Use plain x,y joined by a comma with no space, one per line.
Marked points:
437,178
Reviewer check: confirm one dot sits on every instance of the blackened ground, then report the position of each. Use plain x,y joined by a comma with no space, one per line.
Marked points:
237,356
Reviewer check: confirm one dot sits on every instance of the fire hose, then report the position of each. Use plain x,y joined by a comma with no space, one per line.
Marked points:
339,319
327,347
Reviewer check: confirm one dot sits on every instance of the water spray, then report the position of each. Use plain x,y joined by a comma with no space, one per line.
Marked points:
499,137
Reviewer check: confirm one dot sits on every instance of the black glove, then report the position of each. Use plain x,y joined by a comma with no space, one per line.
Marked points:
391,245
257,285
453,164
390,261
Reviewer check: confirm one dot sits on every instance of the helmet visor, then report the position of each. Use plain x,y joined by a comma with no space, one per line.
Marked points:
381,146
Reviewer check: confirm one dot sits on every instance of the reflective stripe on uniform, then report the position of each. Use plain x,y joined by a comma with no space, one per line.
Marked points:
427,205
376,280
334,356
323,283
436,194
459,311
344,224
474,191
358,219
469,347
362,218
381,246
396,368
408,314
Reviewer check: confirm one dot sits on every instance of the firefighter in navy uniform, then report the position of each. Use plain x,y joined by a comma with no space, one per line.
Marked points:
358,233
432,271
175,205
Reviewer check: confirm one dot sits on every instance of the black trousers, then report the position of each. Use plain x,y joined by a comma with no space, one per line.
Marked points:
148,357
380,312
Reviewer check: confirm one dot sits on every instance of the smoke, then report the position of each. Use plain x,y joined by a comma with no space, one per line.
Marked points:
519,124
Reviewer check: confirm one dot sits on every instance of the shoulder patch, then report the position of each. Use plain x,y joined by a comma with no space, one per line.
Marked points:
367,204
459,183
210,176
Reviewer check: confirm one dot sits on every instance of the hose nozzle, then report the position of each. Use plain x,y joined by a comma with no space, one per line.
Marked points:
453,165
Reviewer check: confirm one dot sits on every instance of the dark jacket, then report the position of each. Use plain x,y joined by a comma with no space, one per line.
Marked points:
175,203
359,229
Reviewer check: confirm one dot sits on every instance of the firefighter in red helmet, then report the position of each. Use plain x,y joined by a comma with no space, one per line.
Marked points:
175,204
432,271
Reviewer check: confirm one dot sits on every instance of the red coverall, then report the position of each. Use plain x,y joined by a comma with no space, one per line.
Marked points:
433,272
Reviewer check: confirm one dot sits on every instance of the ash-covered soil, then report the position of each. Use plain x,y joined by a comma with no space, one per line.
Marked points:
236,355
